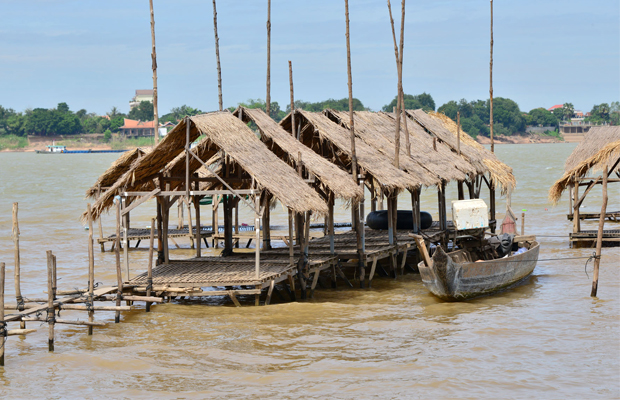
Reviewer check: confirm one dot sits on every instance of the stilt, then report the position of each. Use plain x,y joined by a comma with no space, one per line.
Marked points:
149,273
599,235
160,233
3,330
51,314
17,276
198,224
119,275
91,270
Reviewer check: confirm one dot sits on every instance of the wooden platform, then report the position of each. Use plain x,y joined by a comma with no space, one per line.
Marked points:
139,234
587,238
613,216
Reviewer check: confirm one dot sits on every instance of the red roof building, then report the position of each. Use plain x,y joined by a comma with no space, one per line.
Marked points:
133,128
554,107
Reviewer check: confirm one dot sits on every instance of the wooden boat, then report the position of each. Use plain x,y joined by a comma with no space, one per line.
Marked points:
456,276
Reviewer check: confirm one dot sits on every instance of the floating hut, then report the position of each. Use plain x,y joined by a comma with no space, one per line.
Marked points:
599,151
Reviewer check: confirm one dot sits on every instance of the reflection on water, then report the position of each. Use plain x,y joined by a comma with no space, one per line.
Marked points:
544,338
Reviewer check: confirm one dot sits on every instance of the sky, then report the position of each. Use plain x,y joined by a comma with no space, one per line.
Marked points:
95,54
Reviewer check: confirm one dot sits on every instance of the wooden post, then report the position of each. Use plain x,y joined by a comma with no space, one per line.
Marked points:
54,277
330,222
493,222
415,209
149,273
160,234
91,269
18,291
180,216
523,223
257,218
399,68
154,66
491,84
291,250
461,190
217,56
125,237
119,275
404,111
458,132
266,223
3,330
99,222
166,223
51,315
290,79
599,235
197,232
215,205
228,245
576,218
268,96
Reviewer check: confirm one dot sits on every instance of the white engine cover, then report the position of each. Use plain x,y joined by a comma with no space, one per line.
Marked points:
470,214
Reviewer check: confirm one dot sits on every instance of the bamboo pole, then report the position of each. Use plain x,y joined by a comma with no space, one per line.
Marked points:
404,112
17,277
102,245
3,330
91,269
125,222
154,66
119,275
491,84
523,223
599,235
257,218
268,96
149,273
197,234
399,56
355,205
51,315
290,80
217,56
458,132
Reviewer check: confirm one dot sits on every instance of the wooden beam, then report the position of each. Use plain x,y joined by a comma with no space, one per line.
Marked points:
142,200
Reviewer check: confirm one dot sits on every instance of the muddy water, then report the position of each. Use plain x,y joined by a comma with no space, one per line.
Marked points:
543,339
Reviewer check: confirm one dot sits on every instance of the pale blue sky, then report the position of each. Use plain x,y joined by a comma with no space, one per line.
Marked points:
94,54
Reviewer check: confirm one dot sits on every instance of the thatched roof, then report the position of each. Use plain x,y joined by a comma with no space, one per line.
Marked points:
483,160
288,148
377,130
221,131
599,148
116,170
334,142
594,140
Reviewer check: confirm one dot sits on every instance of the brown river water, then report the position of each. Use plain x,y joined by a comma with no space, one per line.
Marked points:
546,338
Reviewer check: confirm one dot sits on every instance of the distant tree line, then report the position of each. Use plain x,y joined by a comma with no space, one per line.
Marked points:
508,119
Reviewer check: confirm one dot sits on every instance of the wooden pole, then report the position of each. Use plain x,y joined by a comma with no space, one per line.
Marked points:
91,269
149,273
576,218
217,56
257,218
290,80
399,57
458,132
266,223
599,235
125,237
18,291
154,66
523,223
491,84
119,274
102,245
51,315
407,139
268,96
198,233
355,205
3,330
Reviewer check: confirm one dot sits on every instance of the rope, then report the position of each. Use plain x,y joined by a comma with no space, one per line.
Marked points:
149,285
51,315
4,333
592,257
20,303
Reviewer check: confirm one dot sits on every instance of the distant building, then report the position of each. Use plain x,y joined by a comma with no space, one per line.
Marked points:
133,128
550,109
141,95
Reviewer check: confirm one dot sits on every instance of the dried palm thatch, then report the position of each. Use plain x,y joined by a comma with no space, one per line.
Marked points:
221,131
607,156
287,148
377,129
333,141
594,140
482,159
116,170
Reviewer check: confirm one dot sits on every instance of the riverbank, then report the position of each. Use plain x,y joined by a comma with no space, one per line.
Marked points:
518,139
18,144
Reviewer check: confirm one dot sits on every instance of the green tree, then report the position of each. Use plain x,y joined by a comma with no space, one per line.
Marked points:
337,105
116,123
568,110
107,136
542,117
614,113
142,112
63,108
424,101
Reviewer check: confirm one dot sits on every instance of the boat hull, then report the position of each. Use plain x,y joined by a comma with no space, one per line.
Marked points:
453,281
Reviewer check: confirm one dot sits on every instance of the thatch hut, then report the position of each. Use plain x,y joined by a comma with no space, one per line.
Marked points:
500,175
327,179
247,167
599,151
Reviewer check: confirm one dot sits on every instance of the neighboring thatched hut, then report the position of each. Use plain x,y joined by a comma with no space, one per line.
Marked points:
328,180
247,167
116,170
599,150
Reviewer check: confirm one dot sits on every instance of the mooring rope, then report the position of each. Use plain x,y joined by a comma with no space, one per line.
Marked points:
20,303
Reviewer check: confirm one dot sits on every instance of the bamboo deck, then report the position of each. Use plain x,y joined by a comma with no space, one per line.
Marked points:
587,238
137,234
613,216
